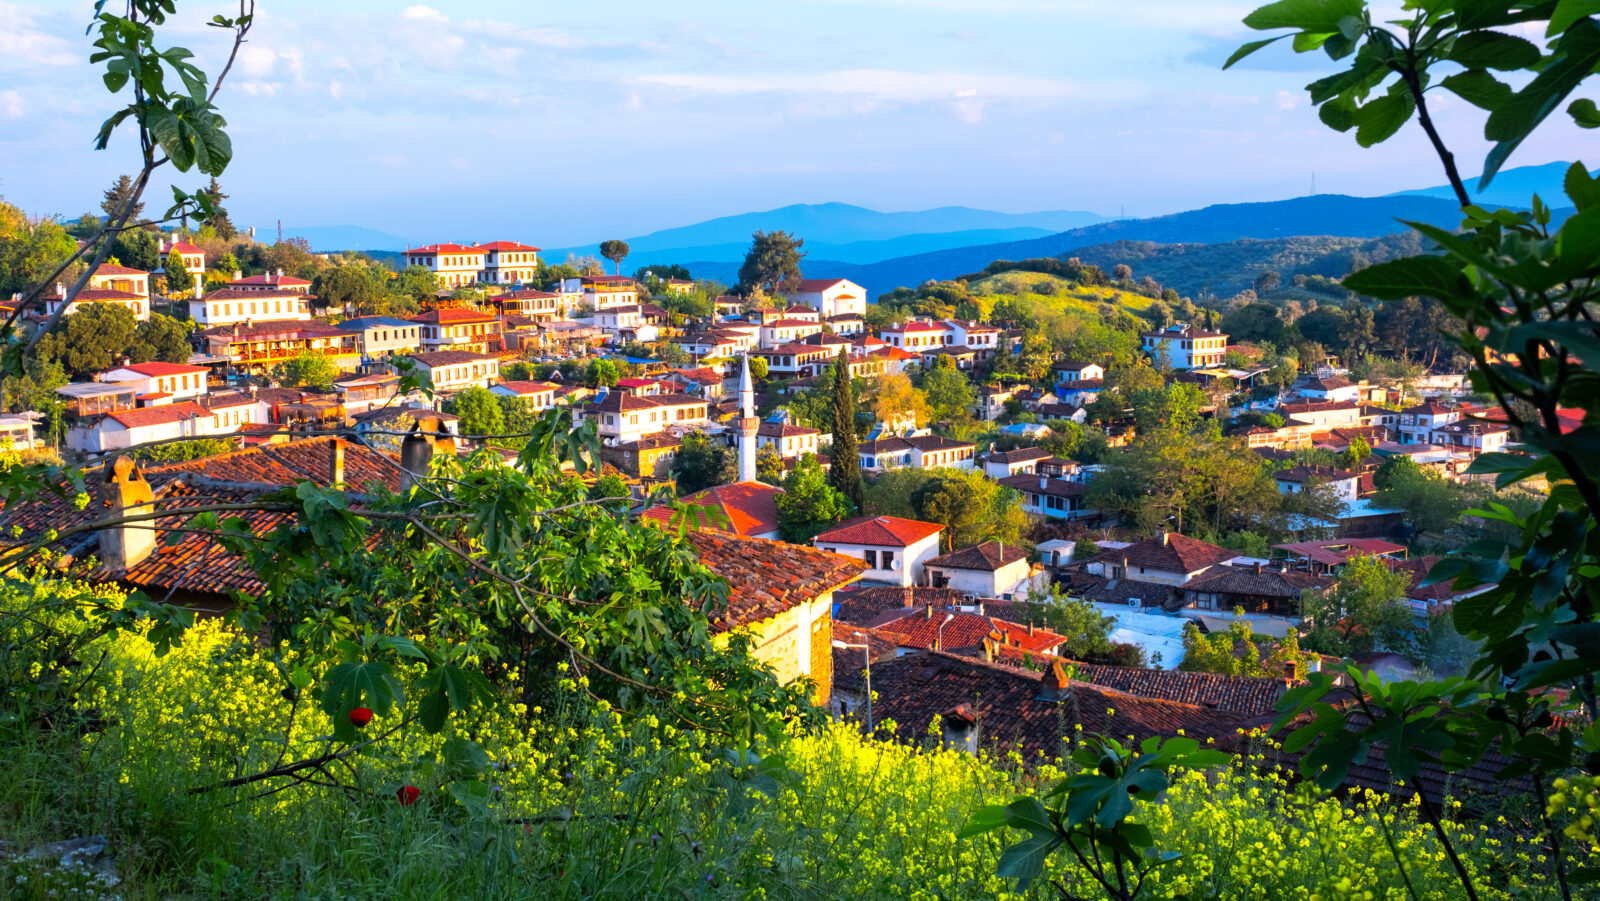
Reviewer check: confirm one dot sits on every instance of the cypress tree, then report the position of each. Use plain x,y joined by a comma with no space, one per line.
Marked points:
845,470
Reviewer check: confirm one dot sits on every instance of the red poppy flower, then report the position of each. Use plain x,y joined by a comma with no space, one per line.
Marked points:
361,716
408,795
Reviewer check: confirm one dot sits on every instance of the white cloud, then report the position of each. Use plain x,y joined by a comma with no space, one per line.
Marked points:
528,34
879,83
22,41
424,13
10,104
1288,101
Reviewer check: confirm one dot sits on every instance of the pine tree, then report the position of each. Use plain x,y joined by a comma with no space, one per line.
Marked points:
845,471
117,195
179,278
220,222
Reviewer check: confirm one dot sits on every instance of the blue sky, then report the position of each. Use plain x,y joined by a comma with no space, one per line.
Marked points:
564,123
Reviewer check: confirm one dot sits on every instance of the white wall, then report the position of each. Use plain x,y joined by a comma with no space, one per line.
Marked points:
911,558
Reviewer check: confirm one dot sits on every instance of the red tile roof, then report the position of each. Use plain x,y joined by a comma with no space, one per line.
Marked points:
766,578
928,629
751,508
883,531
157,368
114,269
161,415
809,285
506,245
101,295
524,388
435,249
449,357
987,557
453,316
270,278
1168,552
1338,550
182,247
244,294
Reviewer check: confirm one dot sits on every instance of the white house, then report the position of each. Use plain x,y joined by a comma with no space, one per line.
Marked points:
453,370
194,259
1050,497
132,427
271,281
227,306
1001,464
918,335
1296,479
1322,414
984,339
1329,389
1067,371
615,319
989,570
1185,346
894,549
112,277
539,395
16,433
159,382
621,417
832,296
138,304
786,440
1167,559
457,329
454,264
777,332
1417,423
918,451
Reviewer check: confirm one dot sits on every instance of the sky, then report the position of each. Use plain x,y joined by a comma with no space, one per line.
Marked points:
559,124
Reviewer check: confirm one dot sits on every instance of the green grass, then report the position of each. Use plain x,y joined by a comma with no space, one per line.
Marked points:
1052,290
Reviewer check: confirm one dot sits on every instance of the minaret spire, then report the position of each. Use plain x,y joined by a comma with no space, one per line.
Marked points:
747,423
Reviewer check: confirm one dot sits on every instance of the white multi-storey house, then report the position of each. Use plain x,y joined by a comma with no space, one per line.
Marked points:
226,306
831,296
1185,346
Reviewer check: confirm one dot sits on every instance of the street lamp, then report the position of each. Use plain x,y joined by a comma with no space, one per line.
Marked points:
938,642
866,656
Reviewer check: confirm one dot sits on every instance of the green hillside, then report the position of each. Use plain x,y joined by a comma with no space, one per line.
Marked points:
1052,290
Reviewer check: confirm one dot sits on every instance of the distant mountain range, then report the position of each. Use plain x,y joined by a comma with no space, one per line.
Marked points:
1511,188
884,250
1324,214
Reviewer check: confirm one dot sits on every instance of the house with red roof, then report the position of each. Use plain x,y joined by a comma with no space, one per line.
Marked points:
112,277
509,262
1166,559
194,259
895,550
989,570
226,306
128,428
538,395
777,332
831,296
749,510
158,383
455,265
138,304
271,281
918,335
458,329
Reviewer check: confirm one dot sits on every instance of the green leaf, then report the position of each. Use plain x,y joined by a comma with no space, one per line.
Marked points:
1520,115
1247,49
1314,16
1583,190
1568,12
474,796
446,688
1584,112
1338,114
1024,861
1027,813
1410,277
1493,50
1478,88
984,819
348,684
1379,119
463,759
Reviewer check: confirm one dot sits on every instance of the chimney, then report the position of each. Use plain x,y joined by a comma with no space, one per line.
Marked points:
1165,538
989,649
280,273
123,490
1030,627
1043,481
61,290
911,600
417,448
1056,685
1291,671
1258,567
336,462
927,612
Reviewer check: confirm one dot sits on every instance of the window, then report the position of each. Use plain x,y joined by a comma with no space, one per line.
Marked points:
888,560
871,557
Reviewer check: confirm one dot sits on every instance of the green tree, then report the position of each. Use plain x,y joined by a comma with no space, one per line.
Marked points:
949,393
179,279
1086,629
36,388
769,466
227,264
306,370
137,249
609,485
616,251
758,367
161,338
602,374
219,220
418,283
1358,451
1365,611
93,339
972,508
344,288
120,192
808,504
844,459
1431,502
520,420
480,412
29,250
894,400
703,463
772,264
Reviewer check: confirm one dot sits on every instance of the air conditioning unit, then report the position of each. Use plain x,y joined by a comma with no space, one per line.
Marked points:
1134,602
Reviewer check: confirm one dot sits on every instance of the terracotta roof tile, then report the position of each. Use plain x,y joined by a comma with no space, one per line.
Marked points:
987,557
884,531
766,578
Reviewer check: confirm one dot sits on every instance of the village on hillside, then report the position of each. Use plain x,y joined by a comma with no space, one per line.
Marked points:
1023,460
